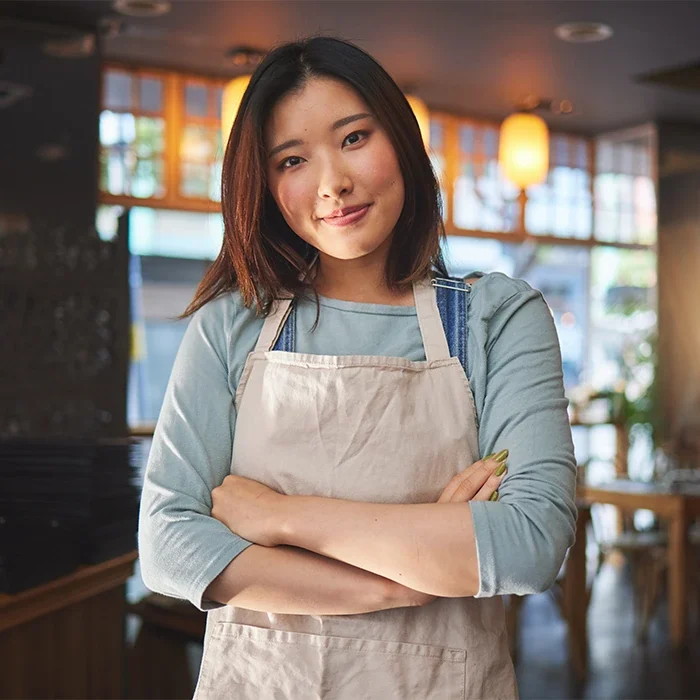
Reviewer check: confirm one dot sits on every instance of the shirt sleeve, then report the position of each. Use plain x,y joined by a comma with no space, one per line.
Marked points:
182,549
517,381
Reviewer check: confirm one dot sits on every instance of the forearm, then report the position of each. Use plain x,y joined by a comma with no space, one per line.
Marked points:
427,547
293,581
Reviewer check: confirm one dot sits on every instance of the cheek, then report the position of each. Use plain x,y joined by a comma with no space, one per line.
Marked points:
386,174
293,196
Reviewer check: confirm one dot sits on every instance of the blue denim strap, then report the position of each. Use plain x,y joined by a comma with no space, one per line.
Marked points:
287,338
453,297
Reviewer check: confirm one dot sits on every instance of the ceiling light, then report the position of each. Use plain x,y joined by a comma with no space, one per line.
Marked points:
524,149
422,114
142,8
230,102
583,32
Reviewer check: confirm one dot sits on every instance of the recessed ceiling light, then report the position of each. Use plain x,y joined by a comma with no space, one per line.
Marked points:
583,32
142,8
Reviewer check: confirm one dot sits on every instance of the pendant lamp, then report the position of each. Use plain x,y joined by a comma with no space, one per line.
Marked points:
422,114
230,102
524,149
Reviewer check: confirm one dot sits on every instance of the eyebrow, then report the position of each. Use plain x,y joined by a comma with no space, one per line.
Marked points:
334,127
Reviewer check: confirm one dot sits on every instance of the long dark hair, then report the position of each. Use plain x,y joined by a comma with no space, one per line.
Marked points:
261,255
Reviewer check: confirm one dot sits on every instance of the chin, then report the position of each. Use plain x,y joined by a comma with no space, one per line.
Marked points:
350,253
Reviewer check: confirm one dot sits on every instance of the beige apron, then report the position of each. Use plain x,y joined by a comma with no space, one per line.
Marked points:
359,428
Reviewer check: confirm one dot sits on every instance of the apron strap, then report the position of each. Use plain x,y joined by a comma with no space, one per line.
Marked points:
431,328
273,325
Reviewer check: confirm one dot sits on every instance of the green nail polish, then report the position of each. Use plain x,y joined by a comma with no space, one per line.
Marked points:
489,456
494,496
501,456
501,469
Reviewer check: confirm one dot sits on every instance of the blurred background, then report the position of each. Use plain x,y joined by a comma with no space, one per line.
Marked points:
112,115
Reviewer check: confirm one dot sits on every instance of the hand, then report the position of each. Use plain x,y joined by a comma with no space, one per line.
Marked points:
249,509
476,483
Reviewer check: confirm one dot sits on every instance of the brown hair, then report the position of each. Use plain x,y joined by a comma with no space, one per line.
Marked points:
261,255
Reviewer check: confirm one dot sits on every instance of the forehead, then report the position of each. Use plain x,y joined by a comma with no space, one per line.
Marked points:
318,104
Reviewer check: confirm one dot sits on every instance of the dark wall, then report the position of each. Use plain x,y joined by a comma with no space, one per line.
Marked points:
63,112
64,296
679,275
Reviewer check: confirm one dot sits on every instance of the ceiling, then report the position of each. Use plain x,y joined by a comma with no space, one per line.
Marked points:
476,58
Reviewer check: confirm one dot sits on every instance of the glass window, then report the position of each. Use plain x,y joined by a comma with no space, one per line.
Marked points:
132,143
196,100
623,313
151,94
625,205
483,199
132,155
117,90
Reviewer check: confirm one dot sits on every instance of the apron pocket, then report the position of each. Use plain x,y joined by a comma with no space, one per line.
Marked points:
254,663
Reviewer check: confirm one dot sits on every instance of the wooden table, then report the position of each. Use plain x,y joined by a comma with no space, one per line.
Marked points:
678,507
65,638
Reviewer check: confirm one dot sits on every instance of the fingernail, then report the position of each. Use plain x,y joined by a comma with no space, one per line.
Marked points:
501,456
494,496
501,469
489,456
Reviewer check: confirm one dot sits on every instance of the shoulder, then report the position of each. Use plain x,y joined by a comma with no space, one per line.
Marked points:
222,310
493,292
216,320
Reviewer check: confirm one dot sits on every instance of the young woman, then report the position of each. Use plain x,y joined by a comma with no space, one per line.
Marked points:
314,480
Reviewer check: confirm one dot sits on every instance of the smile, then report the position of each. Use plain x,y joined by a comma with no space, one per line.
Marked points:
348,219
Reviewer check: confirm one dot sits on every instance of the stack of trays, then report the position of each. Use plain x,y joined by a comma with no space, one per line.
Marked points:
63,503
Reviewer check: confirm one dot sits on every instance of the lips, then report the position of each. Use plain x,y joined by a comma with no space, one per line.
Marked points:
353,214
338,213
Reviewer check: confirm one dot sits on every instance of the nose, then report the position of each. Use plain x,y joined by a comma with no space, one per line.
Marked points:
335,181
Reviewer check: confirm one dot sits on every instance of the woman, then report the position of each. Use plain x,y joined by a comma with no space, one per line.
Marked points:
314,480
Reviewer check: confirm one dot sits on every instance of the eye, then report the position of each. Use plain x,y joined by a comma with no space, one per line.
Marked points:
364,134
282,165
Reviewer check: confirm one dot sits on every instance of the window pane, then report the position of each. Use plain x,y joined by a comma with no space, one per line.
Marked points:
195,180
151,94
196,100
117,90
623,310
150,136
147,178
625,190
436,131
198,144
218,99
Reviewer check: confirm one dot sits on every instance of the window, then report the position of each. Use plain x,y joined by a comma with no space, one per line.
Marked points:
201,152
483,199
132,135
625,192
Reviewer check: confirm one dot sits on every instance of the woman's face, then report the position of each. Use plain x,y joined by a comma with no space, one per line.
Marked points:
341,158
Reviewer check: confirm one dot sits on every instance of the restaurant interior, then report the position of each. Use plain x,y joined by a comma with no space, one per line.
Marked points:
114,116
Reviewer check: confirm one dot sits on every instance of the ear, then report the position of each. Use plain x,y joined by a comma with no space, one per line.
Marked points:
471,280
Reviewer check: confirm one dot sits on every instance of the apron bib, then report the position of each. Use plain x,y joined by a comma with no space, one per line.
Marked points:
360,428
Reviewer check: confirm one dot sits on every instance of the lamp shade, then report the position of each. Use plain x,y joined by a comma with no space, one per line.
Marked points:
523,152
230,102
422,114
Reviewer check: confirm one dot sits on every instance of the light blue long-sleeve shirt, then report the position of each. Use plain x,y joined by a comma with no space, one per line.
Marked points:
516,377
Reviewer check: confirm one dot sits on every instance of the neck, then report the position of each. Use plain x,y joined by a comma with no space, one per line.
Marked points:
362,280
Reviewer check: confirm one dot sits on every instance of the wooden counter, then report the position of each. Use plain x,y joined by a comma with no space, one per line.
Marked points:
65,639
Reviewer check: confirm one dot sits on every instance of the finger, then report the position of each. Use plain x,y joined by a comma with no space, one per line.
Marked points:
469,481
489,491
